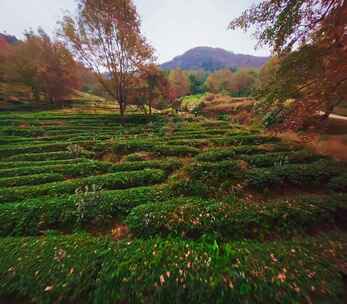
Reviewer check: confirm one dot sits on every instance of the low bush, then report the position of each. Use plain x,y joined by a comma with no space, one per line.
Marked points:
212,172
85,168
279,158
25,132
233,152
48,156
338,183
24,149
196,217
168,150
28,180
21,164
33,217
79,268
246,140
168,166
120,180
314,174
138,156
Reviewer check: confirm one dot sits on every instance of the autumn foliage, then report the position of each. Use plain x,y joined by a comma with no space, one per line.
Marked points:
44,65
310,41
106,36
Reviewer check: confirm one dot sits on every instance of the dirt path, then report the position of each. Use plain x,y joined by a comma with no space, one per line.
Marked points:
335,116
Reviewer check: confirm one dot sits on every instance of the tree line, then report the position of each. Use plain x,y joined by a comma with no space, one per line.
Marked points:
308,72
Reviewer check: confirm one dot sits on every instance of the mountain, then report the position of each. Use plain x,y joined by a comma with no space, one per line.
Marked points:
211,59
7,39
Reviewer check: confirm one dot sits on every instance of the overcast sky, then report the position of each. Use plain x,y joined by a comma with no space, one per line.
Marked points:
172,26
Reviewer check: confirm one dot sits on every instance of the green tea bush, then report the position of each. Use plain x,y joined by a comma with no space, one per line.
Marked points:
35,179
279,158
79,268
84,168
149,146
314,174
246,140
211,172
62,155
168,166
196,217
230,153
120,180
137,156
21,164
338,183
22,149
167,150
25,132
32,217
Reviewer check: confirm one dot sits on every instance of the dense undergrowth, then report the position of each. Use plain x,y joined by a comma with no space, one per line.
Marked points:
99,209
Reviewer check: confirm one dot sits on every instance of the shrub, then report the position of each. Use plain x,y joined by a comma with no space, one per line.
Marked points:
84,168
211,172
167,150
46,156
279,158
233,152
120,180
20,164
246,140
166,165
32,217
78,268
338,183
28,180
24,149
196,217
314,174
138,156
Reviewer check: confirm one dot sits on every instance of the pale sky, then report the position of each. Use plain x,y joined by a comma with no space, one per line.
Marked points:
172,26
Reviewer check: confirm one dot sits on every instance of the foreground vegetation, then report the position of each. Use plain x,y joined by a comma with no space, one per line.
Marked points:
95,208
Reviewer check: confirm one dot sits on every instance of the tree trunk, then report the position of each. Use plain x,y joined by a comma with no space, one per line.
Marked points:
121,109
150,108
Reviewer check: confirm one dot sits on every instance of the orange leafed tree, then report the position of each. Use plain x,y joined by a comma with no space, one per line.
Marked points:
179,86
57,71
309,39
220,81
106,37
149,88
44,65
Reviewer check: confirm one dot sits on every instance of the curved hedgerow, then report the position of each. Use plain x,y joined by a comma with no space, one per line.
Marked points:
312,174
121,180
62,155
220,154
338,183
76,268
213,172
20,164
85,168
195,217
28,180
33,217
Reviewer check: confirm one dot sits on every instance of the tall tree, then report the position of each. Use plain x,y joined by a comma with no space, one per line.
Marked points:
106,37
309,38
57,72
220,81
244,82
179,87
197,81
